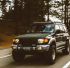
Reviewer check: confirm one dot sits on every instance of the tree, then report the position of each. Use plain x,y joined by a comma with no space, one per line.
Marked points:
28,11
32,11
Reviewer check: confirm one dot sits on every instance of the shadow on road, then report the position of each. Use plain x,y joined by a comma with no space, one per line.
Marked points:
33,62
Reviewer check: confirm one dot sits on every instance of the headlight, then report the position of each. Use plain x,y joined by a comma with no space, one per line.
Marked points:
16,40
44,40
40,40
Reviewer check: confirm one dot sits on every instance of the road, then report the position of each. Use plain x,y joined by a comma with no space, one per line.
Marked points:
6,61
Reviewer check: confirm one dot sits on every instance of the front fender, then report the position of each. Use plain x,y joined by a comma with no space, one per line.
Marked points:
52,40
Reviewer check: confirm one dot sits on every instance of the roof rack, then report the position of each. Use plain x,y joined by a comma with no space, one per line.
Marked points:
43,22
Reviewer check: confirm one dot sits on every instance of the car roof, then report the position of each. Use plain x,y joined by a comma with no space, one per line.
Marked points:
42,22
49,22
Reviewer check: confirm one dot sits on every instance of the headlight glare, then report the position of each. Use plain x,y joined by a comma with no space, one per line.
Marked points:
44,40
40,40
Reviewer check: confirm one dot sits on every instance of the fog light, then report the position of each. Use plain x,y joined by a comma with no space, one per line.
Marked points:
39,48
14,47
19,47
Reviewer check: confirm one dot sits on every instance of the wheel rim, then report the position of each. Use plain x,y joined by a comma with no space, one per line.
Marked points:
53,54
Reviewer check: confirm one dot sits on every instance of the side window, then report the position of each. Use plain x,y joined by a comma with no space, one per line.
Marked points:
65,29
61,28
57,27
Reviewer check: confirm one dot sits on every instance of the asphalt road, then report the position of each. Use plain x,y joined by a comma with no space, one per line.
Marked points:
6,61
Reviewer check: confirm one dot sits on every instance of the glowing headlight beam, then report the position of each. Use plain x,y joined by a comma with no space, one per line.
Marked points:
45,40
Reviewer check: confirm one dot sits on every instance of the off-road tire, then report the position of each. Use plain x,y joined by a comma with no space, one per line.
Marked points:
18,56
52,54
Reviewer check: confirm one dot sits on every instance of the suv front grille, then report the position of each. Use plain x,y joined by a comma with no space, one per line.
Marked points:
28,41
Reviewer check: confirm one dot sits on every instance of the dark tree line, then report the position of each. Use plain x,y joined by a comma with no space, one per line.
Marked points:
30,10
27,11
34,10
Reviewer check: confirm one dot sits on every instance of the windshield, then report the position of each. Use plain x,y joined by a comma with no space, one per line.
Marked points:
42,28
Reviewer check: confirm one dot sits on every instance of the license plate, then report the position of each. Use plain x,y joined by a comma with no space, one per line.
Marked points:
26,48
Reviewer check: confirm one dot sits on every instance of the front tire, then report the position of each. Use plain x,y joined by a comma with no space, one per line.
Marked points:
18,56
52,54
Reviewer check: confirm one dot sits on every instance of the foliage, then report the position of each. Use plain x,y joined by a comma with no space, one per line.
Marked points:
27,11
9,15
32,10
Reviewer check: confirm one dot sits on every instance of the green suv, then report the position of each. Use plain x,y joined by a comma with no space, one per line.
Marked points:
42,38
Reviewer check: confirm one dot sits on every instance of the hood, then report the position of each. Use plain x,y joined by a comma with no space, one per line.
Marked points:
33,35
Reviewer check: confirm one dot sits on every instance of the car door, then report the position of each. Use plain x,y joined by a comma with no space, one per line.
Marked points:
58,36
63,38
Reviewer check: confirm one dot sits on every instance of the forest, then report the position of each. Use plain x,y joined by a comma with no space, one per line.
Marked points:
17,15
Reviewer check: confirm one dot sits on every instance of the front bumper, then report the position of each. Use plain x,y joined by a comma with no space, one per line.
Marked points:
39,48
